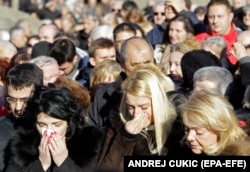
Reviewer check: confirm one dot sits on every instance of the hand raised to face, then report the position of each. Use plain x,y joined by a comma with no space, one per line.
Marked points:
140,121
44,154
58,148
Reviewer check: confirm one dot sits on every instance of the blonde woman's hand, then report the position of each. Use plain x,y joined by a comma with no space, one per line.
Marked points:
44,153
58,149
139,122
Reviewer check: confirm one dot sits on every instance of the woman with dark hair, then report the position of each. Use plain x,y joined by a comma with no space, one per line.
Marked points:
179,29
53,136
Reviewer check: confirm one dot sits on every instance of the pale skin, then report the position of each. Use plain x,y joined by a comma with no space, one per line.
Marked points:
50,73
140,110
239,51
207,85
175,65
178,5
47,33
219,19
121,37
103,54
246,19
52,147
158,17
177,32
243,40
67,67
89,24
169,12
138,52
198,137
22,96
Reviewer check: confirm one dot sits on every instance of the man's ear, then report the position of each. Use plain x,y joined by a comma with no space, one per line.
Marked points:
92,61
75,59
231,16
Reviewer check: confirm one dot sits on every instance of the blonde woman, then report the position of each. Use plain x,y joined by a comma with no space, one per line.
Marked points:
171,60
210,123
146,118
104,72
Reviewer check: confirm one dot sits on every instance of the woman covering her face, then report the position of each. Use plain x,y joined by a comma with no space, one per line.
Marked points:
211,124
53,136
146,118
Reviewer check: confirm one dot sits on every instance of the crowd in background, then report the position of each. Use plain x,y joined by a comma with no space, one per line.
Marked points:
101,79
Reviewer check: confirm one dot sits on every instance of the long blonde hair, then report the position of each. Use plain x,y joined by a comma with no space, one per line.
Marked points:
216,114
144,82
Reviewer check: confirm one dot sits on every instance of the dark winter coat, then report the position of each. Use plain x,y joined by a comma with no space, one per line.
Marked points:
106,98
118,143
83,148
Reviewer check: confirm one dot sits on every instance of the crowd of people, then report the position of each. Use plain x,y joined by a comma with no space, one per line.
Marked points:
104,79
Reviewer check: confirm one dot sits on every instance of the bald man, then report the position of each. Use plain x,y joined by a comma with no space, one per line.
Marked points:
244,39
134,51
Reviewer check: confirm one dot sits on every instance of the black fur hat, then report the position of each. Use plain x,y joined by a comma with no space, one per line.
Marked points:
194,60
41,48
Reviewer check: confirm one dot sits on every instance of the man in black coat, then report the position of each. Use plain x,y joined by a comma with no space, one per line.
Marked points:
134,51
21,81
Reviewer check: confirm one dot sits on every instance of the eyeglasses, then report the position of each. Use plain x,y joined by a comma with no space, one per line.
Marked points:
156,14
13,100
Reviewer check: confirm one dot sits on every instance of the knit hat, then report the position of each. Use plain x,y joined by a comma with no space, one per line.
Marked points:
194,60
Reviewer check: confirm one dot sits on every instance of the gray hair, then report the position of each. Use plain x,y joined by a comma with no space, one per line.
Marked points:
16,31
102,31
159,3
42,61
217,44
91,12
221,76
216,40
7,49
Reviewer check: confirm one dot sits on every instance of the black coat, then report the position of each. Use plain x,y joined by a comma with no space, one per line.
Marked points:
84,149
106,98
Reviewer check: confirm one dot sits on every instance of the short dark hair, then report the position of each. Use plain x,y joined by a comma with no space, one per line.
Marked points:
127,5
124,27
100,44
24,75
63,50
220,2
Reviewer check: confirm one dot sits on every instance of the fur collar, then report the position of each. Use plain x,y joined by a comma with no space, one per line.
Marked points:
84,147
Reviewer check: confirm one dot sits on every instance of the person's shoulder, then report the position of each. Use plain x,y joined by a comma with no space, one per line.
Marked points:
108,88
4,120
80,52
113,86
156,29
6,127
201,36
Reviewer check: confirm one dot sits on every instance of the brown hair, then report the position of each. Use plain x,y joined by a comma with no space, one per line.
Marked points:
78,90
